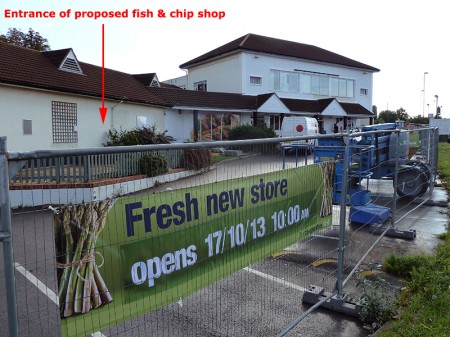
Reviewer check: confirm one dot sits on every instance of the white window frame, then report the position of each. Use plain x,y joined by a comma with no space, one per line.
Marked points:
255,80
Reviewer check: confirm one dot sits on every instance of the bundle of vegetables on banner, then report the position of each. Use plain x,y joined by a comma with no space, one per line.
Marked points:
81,286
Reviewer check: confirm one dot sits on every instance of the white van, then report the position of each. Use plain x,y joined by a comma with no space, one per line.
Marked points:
299,126
294,126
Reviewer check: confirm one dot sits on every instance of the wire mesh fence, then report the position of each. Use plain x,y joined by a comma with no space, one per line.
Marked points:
225,245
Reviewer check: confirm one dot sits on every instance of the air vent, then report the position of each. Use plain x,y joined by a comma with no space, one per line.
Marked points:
71,65
155,82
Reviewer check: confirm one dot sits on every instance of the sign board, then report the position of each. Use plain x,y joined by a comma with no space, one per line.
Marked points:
121,258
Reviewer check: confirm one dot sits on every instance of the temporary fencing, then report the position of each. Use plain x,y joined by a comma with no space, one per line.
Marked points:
202,239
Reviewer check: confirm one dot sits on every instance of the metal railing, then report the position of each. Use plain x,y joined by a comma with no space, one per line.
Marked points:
87,168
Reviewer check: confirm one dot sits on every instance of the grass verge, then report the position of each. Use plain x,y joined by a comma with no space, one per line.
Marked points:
425,301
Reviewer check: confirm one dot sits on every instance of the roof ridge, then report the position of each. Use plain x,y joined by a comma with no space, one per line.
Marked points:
244,40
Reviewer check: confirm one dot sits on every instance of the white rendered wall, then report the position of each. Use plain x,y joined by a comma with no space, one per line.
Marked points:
223,75
179,124
17,104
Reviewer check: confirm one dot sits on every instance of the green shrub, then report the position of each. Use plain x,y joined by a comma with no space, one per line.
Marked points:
403,265
196,159
140,136
377,303
153,165
247,131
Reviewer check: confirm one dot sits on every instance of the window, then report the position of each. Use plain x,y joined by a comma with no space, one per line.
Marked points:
64,122
27,127
345,87
315,84
256,80
363,92
334,87
144,122
284,81
200,86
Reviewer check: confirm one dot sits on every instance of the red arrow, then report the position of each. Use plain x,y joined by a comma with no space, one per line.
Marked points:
103,110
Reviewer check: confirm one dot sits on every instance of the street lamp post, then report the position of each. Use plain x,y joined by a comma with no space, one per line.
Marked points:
437,104
423,91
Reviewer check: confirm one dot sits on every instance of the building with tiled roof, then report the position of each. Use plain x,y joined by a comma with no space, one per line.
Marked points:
51,100
254,65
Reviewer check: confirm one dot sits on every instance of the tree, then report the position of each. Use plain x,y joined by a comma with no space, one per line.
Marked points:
30,39
389,116
402,114
418,120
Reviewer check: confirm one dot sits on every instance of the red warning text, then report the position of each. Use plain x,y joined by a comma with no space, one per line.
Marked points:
135,13
20,14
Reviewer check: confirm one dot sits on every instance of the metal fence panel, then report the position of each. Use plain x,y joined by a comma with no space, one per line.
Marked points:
260,299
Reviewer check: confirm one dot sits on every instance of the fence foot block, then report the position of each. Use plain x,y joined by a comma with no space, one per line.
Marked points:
315,294
395,233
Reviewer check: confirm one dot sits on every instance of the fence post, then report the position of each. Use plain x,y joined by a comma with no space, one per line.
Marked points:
343,218
5,237
395,180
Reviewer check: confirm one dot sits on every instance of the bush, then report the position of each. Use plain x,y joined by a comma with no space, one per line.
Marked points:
377,303
403,265
153,165
196,159
137,137
248,131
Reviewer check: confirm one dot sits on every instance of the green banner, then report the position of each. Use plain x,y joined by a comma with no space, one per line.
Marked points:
121,258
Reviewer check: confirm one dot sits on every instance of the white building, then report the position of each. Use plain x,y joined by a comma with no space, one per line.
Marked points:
255,65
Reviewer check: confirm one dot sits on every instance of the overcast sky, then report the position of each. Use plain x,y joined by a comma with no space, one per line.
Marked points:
404,39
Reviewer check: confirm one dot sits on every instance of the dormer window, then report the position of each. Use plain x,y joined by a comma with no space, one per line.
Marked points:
70,64
155,82
65,60
148,79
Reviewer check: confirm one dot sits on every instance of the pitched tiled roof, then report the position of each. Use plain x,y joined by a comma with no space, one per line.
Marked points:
57,56
145,79
312,106
204,99
27,67
303,105
263,44
356,109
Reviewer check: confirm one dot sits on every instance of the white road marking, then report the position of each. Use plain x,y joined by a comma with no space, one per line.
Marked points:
275,279
34,280
44,289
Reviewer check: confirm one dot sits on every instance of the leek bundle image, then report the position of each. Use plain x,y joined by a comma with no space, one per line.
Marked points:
328,181
81,286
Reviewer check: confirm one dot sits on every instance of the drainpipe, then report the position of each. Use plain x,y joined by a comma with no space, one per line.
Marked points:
112,113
